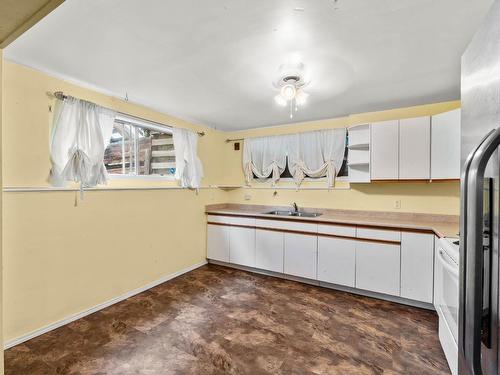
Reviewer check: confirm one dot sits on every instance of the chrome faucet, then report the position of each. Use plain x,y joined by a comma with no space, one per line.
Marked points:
295,207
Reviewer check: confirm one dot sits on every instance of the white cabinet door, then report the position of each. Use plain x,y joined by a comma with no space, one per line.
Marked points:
417,266
445,145
337,261
415,148
378,267
301,254
269,250
242,246
218,242
384,150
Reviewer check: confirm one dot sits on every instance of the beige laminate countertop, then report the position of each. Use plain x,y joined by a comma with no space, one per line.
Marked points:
441,225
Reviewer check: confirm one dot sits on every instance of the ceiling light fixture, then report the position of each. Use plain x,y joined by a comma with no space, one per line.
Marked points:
290,84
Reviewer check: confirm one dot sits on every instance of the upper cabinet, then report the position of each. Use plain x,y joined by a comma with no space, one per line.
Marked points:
420,148
385,150
445,145
415,148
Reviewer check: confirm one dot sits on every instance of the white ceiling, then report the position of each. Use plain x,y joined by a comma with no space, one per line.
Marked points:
214,62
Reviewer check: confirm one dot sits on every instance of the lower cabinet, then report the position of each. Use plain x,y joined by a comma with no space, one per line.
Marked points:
301,255
269,250
337,261
417,266
361,258
218,242
242,246
378,267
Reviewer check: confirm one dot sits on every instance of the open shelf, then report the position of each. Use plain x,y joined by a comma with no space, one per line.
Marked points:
359,146
358,164
358,159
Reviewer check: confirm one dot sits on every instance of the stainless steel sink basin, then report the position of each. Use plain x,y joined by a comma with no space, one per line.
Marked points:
294,213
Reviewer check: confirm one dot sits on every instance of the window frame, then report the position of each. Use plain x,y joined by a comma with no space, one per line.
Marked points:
137,122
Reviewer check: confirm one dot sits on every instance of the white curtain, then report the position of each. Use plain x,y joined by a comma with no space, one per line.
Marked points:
317,154
265,156
188,167
80,133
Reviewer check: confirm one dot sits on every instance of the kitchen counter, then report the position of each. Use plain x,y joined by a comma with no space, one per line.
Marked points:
441,225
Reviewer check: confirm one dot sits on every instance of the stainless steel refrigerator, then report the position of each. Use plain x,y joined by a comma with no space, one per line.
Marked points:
478,337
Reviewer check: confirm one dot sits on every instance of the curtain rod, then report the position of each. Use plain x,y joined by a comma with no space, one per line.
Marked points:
61,96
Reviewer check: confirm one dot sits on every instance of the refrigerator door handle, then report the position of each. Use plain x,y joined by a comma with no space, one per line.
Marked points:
474,251
463,245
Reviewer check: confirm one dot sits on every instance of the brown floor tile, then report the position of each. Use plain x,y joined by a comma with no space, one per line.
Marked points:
217,320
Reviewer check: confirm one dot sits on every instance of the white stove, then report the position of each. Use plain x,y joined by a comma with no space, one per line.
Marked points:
446,297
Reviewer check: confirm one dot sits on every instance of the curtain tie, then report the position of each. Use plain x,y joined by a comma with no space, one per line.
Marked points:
299,173
276,173
330,173
248,172
78,169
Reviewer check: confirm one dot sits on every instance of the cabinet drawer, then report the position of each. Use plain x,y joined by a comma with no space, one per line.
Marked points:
378,234
287,225
337,230
248,221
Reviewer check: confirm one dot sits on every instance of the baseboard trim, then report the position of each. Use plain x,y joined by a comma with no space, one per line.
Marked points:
72,318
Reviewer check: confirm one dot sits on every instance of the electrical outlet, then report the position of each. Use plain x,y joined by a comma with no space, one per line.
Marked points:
248,197
397,204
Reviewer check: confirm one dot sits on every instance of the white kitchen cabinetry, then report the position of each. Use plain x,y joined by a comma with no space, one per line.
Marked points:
415,148
384,150
242,246
337,260
417,266
445,145
301,252
378,267
269,250
218,242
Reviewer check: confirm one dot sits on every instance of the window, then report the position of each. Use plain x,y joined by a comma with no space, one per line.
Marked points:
287,174
344,171
138,148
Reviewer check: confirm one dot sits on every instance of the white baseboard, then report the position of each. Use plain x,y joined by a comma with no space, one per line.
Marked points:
72,318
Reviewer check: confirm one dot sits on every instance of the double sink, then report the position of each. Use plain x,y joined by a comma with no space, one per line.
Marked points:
294,213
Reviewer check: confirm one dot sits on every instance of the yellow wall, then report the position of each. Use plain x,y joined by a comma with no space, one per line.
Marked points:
61,259
427,197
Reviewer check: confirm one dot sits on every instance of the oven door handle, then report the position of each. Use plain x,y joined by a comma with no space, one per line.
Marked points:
474,252
451,266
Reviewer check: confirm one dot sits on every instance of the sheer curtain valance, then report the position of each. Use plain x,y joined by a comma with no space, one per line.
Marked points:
80,134
313,154
265,156
317,154
188,168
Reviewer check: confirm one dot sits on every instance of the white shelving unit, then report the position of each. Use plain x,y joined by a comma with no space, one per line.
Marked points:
358,159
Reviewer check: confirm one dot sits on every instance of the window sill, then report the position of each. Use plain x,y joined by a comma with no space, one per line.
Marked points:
121,177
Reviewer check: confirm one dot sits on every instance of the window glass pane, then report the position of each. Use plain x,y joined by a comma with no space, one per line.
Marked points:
116,155
144,151
136,151
162,154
